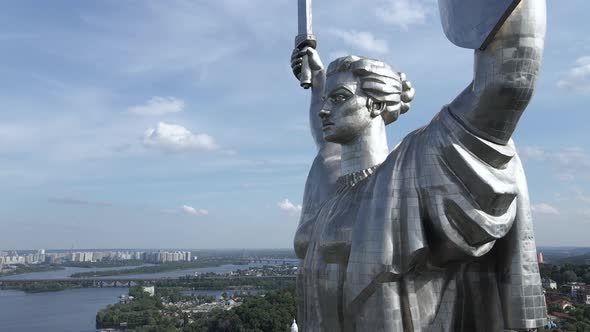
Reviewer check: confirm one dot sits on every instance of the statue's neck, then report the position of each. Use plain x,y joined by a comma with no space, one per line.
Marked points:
367,150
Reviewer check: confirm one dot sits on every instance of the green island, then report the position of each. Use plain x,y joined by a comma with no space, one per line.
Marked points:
102,264
20,269
164,267
42,286
206,282
170,310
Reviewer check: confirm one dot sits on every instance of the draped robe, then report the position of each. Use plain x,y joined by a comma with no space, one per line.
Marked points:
437,238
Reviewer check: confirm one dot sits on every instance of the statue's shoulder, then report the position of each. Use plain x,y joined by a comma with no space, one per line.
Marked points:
442,140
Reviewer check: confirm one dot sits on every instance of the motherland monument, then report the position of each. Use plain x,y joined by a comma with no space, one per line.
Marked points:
436,234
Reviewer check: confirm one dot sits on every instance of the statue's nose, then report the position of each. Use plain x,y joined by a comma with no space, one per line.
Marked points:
324,113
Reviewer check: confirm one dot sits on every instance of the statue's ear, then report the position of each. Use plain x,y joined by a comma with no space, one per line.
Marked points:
377,108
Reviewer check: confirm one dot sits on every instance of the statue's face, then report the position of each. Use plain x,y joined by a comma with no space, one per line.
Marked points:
344,114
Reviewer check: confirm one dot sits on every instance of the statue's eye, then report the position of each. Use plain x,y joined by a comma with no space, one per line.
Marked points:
339,98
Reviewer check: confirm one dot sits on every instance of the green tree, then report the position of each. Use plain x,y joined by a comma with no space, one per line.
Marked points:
570,276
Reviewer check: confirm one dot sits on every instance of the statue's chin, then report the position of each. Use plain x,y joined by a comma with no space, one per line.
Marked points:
331,138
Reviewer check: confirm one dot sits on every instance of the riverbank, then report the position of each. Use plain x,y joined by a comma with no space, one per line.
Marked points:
171,310
22,269
41,286
165,267
104,264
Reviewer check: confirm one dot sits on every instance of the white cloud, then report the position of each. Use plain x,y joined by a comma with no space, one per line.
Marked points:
574,156
362,40
583,198
402,13
565,177
286,205
578,77
532,152
175,138
158,106
338,54
585,213
76,201
194,212
569,163
544,208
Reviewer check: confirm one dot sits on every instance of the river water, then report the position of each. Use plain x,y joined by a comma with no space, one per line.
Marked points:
69,310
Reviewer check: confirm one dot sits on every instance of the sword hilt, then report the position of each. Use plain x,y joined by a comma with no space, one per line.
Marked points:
302,41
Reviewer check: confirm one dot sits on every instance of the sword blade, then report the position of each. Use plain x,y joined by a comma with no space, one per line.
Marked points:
304,16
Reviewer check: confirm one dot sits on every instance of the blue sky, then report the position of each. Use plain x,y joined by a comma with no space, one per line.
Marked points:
179,124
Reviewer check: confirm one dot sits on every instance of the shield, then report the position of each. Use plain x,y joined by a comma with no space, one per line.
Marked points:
473,23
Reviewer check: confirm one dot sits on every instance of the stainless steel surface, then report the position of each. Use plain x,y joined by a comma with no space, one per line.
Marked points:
305,38
470,23
304,17
436,234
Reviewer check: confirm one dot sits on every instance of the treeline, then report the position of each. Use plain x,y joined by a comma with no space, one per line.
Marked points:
566,273
201,283
273,312
581,314
197,283
165,267
144,310
41,286
169,294
20,269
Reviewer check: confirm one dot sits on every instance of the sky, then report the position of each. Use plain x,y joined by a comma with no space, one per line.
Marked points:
178,124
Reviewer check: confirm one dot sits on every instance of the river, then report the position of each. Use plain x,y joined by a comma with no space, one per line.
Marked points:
75,309
69,310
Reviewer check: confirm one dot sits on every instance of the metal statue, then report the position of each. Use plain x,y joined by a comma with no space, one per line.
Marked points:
436,234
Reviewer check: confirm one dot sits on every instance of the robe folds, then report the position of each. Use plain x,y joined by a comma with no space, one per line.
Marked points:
436,238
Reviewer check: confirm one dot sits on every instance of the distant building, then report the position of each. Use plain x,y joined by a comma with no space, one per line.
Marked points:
572,288
82,256
564,304
150,290
549,284
294,327
583,295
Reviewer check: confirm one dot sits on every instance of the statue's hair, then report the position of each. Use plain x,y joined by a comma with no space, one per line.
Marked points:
380,82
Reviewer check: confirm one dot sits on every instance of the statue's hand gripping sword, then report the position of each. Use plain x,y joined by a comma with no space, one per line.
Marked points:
305,38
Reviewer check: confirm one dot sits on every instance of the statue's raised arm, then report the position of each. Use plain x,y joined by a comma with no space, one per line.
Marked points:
507,61
436,234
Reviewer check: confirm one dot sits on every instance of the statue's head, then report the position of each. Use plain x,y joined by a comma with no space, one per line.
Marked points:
358,91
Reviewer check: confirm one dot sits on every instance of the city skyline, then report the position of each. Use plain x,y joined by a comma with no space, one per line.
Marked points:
180,125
